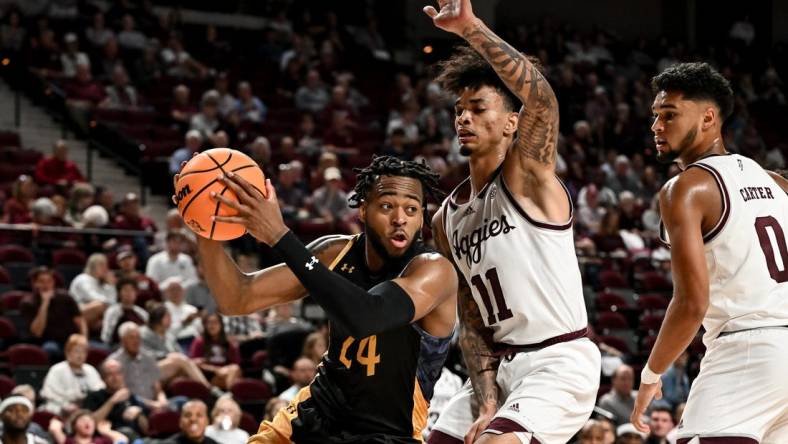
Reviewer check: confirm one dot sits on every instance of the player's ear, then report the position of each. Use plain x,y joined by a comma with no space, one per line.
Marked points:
511,124
709,117
362,211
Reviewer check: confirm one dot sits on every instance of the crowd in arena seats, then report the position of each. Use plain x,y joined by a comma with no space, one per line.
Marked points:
304,98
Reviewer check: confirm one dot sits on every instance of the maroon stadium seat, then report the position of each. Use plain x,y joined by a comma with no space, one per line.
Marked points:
612,279
188,388
610,302
609,320
6,385
162,423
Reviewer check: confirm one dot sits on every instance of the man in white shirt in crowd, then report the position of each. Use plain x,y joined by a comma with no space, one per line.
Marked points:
185,317
172,261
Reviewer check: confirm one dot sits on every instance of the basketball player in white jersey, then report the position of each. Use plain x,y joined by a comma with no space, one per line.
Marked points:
725,219
508,230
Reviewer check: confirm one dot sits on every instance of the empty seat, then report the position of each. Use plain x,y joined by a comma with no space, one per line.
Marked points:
610,302
162,423
609,320
188,388
612,279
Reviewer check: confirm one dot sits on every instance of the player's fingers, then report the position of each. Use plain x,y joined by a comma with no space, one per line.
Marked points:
430,11
229,219
250,189
270,191
234,185
229,202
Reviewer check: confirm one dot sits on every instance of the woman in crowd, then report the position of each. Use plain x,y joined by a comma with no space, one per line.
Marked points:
217,356
226,417
68,382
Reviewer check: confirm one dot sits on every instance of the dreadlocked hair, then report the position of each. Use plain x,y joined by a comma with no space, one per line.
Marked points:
466,68
392,166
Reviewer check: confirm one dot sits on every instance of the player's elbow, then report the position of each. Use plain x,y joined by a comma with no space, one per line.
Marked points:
694,307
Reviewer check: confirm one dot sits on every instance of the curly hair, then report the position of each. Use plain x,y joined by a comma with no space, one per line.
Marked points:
466,68
697,81
392,166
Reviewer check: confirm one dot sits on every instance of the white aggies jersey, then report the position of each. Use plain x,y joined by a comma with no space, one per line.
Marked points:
746,252
523,273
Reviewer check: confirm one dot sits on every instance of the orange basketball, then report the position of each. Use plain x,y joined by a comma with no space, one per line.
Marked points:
199,177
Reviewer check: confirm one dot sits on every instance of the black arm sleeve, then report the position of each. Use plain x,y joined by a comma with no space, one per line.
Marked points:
360,312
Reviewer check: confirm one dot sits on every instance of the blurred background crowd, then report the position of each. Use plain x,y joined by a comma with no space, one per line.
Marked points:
107,328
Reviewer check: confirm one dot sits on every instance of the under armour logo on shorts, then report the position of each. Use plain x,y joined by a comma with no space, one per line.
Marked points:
311,264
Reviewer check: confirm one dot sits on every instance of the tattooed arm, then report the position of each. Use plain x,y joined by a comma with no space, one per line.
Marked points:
537,126
475,341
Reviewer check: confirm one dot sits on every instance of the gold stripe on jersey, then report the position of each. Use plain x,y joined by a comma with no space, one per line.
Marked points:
280,430
420,408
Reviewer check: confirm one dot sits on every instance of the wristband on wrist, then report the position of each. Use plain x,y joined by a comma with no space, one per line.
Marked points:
647,376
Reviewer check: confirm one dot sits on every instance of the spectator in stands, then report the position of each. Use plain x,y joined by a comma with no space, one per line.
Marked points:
178,62
621,400
303,372
129,38
182,109
623,177
16,210
82,195
53,314
199,295
122,311
120,94
315,346
609,429
57,169
115,403
660,424
94,290
397,145
591,433
16,412
629,212
194,420
192,144
678,412
127,261
291,197
628,434
330,201
282,318
140,371
130,216
260,151
147,69
72,56
160,342
406,119
45,56
110,58
675,383
242,328
207,120
608,239
185,325
12,33
98,34
217,356
339,104
226,416
85,430
68,382
82,92
220,139
312,96
308,142
250,107
173,222
44,212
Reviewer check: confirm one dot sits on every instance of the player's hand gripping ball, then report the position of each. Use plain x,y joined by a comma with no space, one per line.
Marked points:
199,177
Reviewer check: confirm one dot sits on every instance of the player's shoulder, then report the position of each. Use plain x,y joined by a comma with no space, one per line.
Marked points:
690,185
429,262
329,247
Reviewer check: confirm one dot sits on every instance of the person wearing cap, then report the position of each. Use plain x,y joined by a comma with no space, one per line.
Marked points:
628,434
72,56
127,269
172,261
192,144
16,413
330,201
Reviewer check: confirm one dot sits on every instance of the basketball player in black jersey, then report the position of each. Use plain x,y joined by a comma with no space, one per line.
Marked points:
391,304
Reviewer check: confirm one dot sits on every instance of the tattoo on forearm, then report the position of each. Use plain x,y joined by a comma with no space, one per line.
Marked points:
537,129
476,345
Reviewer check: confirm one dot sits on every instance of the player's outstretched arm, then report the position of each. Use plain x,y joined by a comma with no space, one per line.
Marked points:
476,344
684,203
427,282
538,121
239,293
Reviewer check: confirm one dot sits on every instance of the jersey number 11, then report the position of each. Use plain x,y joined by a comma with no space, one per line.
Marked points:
500,300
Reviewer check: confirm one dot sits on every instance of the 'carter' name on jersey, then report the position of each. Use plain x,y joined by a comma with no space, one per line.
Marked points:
750,193
470,244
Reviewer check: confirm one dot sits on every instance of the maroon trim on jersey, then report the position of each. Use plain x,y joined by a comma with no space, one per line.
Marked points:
499,426
726,201
481,193
438,437
720,440
534,222
501,349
